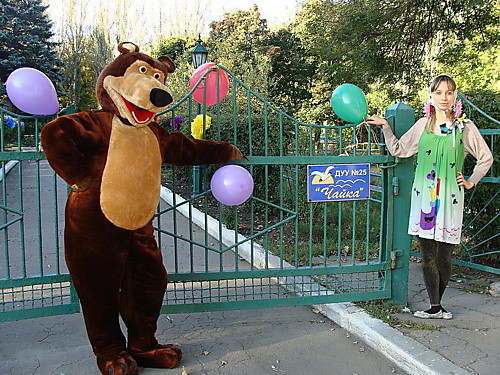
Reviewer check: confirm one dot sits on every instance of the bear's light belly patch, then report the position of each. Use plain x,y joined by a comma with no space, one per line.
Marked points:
130,188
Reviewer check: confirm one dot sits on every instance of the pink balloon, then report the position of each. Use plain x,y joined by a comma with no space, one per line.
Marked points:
209,84
32,91
232,185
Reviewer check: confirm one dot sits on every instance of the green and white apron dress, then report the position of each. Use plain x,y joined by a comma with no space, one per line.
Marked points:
436,199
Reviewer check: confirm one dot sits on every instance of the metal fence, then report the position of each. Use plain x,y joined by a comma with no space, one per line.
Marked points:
33,277
276,249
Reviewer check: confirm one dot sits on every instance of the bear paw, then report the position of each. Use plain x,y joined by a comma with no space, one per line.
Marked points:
163,356
120,364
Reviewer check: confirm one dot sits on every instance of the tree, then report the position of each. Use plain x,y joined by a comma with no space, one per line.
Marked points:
291,71
25,33
99,54
85,48
72,50
172,47
273,64
240,42
394,43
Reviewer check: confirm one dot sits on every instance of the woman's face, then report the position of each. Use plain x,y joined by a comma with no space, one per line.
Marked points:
443,96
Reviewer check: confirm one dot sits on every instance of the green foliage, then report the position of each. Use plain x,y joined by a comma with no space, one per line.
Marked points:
474,65
395,44
290,71
25,33
343,228
171,47
272,64
239,43
237,38
86,99
488,101
79,86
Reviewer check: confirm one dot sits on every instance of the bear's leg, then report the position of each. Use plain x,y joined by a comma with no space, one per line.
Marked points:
95,253
143,288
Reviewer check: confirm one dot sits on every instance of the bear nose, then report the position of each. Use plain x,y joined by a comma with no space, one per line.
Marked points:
160,98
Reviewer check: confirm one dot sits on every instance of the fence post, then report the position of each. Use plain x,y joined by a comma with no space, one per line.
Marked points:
401,117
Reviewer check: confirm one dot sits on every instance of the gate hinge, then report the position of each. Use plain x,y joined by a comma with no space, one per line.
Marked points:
394,257
395,185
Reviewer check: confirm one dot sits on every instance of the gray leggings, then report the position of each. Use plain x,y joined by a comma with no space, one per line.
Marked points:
436,267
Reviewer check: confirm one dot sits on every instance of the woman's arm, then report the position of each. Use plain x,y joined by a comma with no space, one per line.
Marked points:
407,145
475,145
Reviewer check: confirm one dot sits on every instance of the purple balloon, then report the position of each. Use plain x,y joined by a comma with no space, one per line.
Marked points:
32,92
232,185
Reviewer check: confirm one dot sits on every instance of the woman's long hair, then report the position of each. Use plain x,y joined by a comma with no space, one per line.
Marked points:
431,121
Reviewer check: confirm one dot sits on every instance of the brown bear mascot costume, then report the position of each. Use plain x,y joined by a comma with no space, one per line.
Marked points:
111,158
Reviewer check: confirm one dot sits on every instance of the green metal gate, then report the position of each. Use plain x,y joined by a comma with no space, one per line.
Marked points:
277,249
33,277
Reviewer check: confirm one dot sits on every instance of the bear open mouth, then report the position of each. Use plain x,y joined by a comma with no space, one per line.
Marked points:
140,115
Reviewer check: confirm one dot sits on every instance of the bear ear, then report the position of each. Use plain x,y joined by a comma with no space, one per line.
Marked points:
168,62
127,47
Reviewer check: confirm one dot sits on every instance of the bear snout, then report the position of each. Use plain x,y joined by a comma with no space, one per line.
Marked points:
160,98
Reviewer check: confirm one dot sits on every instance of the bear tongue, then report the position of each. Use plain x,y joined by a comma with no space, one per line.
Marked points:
140,115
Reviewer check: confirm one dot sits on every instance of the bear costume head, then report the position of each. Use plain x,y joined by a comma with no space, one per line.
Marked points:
133,85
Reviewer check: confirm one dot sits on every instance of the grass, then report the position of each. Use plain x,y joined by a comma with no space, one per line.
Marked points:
385,311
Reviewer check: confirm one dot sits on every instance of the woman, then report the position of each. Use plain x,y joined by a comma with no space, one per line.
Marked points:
441,141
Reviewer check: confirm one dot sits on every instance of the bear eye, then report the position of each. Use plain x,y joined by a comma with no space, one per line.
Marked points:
157,75
143,69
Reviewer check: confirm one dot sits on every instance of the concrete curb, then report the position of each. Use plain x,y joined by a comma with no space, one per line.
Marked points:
8,167
405,352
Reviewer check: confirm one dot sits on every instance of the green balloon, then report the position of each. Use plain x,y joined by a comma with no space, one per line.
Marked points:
349,103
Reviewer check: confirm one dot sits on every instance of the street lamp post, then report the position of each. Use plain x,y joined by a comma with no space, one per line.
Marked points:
199,57
199,54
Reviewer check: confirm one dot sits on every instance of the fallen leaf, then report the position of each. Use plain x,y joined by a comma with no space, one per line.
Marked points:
184,371
276,369
205,352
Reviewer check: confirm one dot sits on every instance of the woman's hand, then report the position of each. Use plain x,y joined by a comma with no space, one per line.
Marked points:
461,181
375,120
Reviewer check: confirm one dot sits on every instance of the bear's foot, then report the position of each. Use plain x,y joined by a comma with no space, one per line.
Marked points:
163,356
120,364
